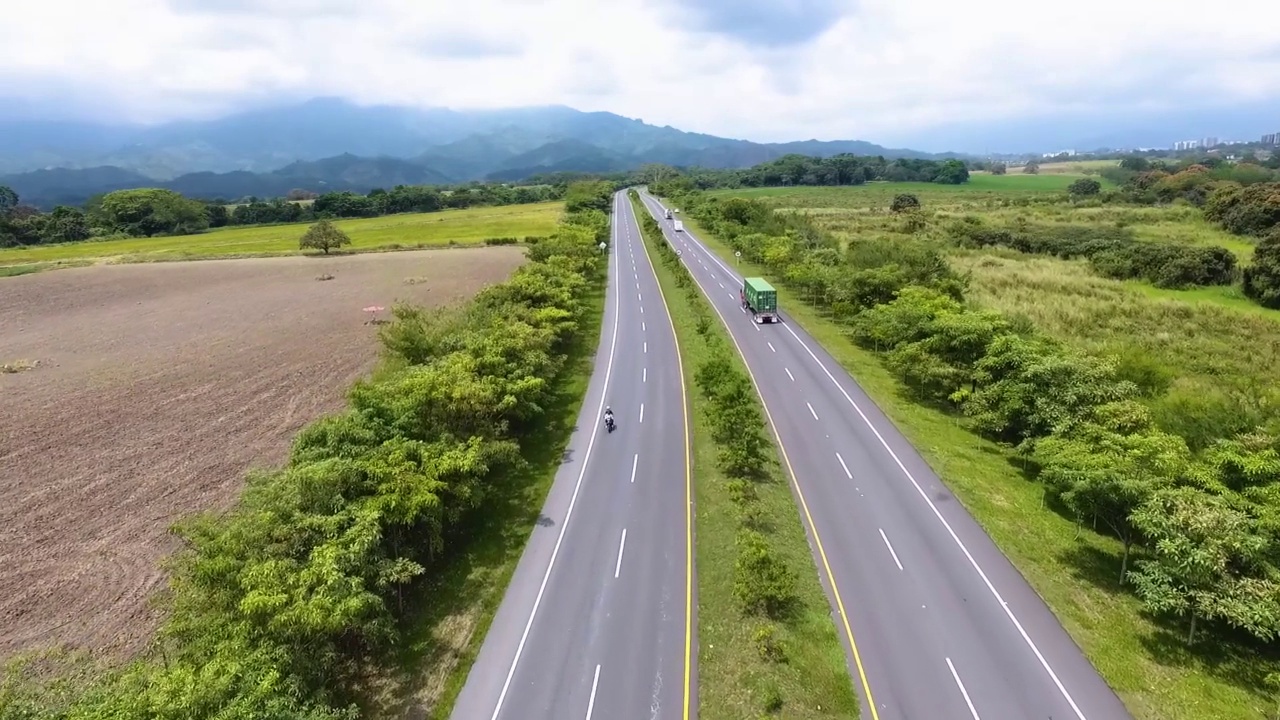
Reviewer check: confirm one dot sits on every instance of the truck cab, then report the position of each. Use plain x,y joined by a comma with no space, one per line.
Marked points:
668,213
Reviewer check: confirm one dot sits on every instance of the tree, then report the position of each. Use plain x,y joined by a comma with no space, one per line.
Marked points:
65,224
1110,465
8,199
1031,168
904,201
999,168
952,172
147,212
1084,187
1262,277
325,236
1207,565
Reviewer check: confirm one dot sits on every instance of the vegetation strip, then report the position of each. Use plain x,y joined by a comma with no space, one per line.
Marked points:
767,643
295,604
992,403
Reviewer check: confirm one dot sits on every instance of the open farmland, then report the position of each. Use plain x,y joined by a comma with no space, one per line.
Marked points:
146,391
471,226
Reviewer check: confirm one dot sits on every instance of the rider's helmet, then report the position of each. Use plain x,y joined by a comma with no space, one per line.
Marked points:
608,410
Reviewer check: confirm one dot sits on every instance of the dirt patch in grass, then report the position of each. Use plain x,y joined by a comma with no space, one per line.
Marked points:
160,386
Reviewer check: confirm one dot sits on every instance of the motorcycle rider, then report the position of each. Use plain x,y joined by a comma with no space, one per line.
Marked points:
608,415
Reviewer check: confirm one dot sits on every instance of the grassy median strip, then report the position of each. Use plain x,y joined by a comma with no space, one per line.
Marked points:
766,641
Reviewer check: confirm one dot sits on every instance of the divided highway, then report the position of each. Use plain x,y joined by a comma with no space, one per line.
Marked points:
936,622
597,621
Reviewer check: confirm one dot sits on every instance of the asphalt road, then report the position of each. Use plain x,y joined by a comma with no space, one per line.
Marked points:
936,622
596,622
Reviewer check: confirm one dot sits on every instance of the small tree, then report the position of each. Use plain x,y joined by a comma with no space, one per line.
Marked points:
905,201
325,236
999,168
1262,277
1031,168
1084,187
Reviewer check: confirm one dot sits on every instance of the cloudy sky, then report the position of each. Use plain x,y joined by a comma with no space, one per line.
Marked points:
766,70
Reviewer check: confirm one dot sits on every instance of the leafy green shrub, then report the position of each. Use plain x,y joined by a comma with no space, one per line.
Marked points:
768,644
762,583
904,201
501,241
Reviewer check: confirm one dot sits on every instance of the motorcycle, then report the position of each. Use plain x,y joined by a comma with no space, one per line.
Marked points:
608,423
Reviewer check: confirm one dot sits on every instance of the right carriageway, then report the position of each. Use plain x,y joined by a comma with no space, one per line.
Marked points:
936,622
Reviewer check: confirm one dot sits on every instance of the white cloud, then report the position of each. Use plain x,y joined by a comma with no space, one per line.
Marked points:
883,69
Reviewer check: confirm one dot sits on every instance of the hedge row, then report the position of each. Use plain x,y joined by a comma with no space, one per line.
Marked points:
1113,252
1205,521
764,586
280,603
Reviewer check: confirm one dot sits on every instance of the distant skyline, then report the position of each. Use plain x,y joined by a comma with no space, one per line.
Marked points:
983,76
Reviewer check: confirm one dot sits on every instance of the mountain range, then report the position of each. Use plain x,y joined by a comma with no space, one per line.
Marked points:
330,144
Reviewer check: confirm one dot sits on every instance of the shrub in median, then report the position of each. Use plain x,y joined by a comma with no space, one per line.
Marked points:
762,582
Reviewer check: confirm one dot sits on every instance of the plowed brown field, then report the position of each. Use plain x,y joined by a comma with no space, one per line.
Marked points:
156,387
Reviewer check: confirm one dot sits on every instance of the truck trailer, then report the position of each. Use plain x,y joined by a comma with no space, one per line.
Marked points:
760,298
679,226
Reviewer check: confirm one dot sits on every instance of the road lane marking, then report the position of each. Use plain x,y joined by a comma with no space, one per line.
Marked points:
722,285
846,467
771,347
641,412
644,375
646,346
886,544
688,490
641,309
555,551
591,704
637,284
804,505
634,462
963,692
642,329
793,377
812,412
621,547
1044,663
640,296
938,514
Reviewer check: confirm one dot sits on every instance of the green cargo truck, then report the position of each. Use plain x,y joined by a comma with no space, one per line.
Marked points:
760,298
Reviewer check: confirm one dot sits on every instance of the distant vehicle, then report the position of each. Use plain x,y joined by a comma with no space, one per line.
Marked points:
760,298
679,226
668,213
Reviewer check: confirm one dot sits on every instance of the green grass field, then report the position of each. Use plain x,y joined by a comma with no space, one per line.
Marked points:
459,227
1209,341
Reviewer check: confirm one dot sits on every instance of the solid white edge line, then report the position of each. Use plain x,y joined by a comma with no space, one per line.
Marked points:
812,412
608,371
591,704
622,546
956,676
634,462
1003,605
890,546
846,467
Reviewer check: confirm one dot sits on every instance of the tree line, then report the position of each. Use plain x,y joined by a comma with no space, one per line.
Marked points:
1197,510
278,606
151,212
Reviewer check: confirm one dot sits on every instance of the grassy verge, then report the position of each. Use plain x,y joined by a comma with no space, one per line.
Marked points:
443,638
794,666
471,226
1154,673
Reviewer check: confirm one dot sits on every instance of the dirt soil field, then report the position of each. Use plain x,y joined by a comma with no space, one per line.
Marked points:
155,388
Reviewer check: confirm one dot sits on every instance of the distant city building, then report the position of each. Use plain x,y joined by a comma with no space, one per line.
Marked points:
1209,142
1186,145
1069,153
1272,139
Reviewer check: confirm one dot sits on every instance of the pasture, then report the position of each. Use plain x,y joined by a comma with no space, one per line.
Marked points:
471,226
142,393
